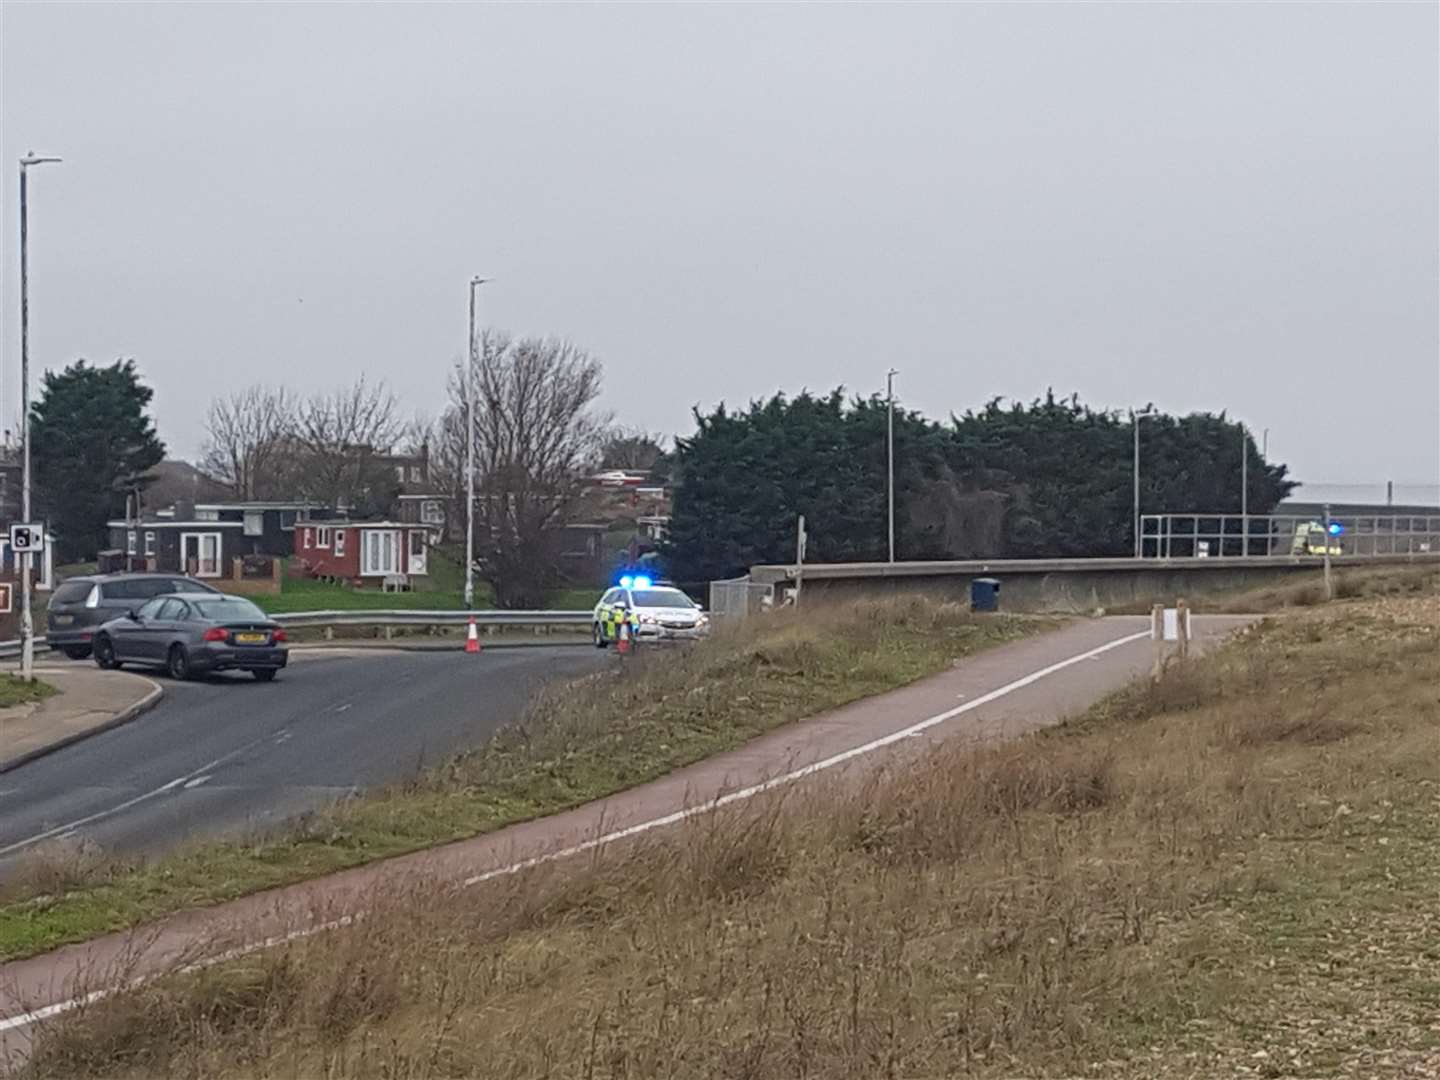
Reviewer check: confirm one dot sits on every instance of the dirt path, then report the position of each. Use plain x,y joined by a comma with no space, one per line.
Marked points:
1002,692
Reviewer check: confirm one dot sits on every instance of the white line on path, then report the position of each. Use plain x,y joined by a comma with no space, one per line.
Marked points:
26,1018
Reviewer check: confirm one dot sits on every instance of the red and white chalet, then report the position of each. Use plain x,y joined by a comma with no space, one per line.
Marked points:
361,550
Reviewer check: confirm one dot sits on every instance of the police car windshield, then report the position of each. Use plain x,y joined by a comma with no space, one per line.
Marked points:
661,598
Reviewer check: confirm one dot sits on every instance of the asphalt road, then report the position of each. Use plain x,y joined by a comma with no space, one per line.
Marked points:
231,754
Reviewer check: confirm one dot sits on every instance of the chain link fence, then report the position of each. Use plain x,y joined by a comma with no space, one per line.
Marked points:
737,598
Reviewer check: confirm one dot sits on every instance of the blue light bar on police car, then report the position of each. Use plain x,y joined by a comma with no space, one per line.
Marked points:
1336,528
642,582
626,581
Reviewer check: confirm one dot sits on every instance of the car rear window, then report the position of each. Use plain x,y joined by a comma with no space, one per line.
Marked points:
139,588
227,609
72,592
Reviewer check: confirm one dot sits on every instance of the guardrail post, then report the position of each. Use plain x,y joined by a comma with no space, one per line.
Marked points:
329,633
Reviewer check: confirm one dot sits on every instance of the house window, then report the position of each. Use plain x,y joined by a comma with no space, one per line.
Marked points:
130,542
400,473
339,542
431,513
287,519
149,543
207,515
415,474
254,523
417,542
305,543
322,537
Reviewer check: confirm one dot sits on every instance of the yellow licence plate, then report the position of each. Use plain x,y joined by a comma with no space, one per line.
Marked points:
250,639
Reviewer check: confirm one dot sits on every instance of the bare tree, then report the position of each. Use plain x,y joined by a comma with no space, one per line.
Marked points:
631,448
246,440
339,435
536,435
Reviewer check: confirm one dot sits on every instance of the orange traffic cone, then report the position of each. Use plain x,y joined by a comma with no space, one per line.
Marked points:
472,637
622,641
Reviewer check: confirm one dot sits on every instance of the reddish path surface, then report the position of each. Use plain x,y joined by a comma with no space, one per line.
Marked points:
999,693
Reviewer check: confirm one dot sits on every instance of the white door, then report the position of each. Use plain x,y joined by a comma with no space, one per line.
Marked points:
200,554
379,552
416,561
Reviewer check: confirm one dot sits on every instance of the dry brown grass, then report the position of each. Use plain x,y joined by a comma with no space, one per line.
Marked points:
633,722
1230,873
1303,590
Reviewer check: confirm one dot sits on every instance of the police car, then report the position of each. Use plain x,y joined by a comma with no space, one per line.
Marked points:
654,611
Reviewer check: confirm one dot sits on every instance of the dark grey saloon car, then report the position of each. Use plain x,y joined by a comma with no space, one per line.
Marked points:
193,634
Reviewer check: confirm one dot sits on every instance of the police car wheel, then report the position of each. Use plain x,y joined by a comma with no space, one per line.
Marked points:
599,636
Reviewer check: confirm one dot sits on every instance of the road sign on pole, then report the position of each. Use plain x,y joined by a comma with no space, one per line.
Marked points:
27,537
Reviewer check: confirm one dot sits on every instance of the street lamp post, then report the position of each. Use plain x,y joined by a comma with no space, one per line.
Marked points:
27,622
1135,418
475,283
1244,490
890,453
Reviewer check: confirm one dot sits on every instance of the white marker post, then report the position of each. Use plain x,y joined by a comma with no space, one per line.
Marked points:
1169,624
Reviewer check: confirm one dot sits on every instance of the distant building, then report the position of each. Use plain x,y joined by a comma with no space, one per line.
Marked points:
203,539
366,552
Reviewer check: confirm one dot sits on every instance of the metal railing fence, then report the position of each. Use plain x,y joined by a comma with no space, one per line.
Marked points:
1181,536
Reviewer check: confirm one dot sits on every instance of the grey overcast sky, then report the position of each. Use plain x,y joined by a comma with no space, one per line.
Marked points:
1211,206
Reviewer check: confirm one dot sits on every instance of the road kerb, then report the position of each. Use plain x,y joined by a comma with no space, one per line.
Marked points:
124,716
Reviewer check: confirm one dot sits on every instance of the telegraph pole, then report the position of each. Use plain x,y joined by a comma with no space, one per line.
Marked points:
890,452
27,621
475,283
1244,490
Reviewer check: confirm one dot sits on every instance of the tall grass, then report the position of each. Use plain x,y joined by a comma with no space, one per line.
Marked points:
629,723
1091,900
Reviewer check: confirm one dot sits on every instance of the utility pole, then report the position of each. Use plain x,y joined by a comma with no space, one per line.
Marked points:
27,620
890,452
1135,418
475,283
1244,490
1329,584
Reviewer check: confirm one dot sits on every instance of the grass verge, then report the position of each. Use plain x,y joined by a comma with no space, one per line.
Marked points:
577,743
1304,590
1230,873
17,691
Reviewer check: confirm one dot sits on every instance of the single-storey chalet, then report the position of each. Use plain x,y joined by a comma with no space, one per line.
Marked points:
360,550
203,539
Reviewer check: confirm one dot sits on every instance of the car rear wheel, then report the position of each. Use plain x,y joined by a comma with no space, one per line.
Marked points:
177,663
77,652
599,636
105,654
265,674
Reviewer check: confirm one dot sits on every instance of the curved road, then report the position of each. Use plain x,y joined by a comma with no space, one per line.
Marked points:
231,754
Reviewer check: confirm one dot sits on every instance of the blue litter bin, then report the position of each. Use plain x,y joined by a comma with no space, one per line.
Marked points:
984,594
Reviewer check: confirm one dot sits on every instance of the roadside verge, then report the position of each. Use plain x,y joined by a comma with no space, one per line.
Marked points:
87,701
998,693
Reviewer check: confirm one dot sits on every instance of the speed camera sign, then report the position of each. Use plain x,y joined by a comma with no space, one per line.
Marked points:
27,537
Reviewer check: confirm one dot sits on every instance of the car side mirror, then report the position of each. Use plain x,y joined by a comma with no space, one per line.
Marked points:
133,615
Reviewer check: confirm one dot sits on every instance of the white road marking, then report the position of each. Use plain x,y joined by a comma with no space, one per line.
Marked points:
101,815
342,708
196,782
58,1008
799,774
